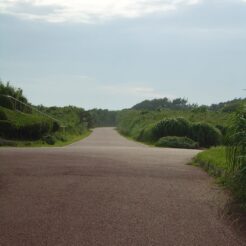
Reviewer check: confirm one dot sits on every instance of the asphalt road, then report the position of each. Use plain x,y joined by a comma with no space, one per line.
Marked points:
107,190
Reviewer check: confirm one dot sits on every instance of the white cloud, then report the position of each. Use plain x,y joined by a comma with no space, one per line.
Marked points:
141,92
87,11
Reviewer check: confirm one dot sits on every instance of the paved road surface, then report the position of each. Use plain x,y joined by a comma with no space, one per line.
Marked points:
107,190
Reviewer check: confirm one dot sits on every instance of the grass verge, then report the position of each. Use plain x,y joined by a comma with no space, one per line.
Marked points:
215,163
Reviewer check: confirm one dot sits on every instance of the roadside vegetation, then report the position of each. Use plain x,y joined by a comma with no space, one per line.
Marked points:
207,129
228,162
22,124
103,117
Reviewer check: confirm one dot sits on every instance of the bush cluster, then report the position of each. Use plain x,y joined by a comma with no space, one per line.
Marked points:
17,93
3,115
49,139
206,134
6,102
177,142
31,131
203,133
171,127
236,155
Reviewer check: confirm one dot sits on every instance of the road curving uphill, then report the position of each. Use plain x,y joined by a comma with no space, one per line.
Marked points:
107,190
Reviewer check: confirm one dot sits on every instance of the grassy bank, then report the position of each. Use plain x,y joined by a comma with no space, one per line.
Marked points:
68,139
215,162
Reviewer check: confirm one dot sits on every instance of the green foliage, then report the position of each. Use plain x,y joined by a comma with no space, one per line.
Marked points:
171,127
76,120
149,126
232,158
236,154
177,142
103,117
206,134
3,115
213,160
18,125
182,104
49,139
17,93
163,103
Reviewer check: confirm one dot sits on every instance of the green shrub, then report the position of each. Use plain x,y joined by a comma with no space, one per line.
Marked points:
146,134
49,139
32,131
171,127
17,93
177,142
55,126
3,115
6,129
206,134
60,136
6,102
236,155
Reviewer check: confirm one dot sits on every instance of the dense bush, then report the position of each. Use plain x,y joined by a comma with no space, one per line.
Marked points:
236,155
55,126
31,131
206,134
17,93
147,126
6,102
146,134
102,117
203,133
6,128
3,115
171,127
49,139
177,142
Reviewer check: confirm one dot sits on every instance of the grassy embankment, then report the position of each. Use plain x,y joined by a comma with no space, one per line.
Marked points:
34,129
228,163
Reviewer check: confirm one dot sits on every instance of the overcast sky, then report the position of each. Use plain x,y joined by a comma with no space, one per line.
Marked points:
113,54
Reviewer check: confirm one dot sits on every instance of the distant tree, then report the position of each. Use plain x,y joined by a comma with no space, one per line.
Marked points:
7,90
163,103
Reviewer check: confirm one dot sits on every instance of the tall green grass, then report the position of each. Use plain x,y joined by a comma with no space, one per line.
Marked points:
236,154
229,162
19,125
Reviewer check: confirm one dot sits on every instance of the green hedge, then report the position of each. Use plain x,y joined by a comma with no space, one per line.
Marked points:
205,134
6,102
3,116
171,127
32,131
177,142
